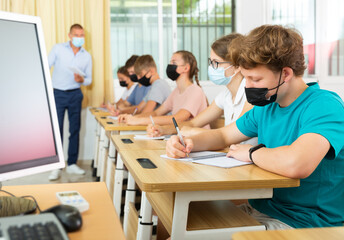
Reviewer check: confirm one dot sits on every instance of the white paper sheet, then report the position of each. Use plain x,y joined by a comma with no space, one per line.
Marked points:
113,117
212,159
146,137
77,71
102,109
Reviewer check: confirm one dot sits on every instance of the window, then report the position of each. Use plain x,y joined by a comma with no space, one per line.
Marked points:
200,22
299,14
335,37
135,29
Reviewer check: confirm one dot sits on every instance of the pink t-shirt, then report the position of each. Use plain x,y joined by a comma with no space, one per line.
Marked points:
192,99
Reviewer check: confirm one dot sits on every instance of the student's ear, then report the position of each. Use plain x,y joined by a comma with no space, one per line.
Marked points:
186,67
287,74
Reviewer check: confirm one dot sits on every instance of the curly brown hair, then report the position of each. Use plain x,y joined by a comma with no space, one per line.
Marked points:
272,45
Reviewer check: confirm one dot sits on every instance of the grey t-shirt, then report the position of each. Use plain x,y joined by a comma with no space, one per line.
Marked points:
158,93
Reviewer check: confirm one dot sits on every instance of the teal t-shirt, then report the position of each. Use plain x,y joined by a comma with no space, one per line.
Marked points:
319,201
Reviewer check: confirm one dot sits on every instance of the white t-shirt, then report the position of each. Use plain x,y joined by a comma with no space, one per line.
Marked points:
127,91
231,110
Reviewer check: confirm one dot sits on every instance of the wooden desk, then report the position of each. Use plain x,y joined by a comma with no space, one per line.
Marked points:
137,145
195,182
333,233
111,127
99,222
97,112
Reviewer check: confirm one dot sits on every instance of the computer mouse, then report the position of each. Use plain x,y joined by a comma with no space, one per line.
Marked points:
69,216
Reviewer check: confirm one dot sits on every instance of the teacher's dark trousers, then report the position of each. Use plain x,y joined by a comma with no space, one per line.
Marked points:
70,100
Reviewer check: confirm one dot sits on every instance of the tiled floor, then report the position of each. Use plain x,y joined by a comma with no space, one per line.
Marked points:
42,178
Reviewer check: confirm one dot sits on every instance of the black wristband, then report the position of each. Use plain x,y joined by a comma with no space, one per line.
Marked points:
252,149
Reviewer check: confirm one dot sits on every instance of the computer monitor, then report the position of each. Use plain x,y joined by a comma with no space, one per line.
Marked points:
30,140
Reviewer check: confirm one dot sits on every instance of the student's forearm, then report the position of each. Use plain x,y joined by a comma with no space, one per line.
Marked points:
170,129
209,140
160,120
297,160
146,114
218,138
128,109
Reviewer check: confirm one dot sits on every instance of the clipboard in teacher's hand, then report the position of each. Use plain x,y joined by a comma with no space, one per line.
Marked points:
77,71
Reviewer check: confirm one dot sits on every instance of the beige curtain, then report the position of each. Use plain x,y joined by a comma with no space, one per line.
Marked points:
57,17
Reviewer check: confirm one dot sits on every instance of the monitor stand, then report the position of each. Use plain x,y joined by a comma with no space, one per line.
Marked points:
12,206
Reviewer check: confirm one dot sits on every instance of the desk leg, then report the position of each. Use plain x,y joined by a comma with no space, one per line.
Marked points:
117,195
130,195
181,209
95,158
145,226
103,156
110,161
180,216
100,149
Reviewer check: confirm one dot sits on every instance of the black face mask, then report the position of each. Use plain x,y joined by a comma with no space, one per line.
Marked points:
171,72
145,81
123,84
133,78
256,96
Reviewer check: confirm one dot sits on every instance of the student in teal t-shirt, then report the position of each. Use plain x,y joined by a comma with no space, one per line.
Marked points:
300,131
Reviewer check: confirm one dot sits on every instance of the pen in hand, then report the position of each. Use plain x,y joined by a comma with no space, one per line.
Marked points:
179,134
151,118
134,111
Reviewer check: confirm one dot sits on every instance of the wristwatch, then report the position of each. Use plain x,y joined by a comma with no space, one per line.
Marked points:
252,149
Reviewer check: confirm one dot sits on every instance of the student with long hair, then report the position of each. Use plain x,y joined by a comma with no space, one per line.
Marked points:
185,102
231,102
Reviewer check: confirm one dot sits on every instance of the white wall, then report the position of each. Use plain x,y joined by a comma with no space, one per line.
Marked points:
250,14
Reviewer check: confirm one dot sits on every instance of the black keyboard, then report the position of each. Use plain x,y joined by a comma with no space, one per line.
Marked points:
32,227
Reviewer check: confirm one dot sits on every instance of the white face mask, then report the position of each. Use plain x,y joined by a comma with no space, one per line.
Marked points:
218,77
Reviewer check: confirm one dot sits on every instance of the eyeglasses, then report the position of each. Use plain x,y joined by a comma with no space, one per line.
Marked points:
214,63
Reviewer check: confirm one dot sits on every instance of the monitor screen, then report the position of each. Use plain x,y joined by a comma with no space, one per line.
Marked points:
29,135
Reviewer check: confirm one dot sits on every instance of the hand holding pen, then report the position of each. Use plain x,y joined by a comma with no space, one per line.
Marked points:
179,136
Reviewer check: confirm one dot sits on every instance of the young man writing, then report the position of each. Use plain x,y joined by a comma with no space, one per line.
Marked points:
300,131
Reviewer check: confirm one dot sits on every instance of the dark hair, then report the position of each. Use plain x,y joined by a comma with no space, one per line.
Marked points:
131,61
143,63
123,70
76,26
274,46
220,46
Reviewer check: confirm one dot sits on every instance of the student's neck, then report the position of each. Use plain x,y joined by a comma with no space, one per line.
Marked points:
154,77
295,89
234,84
130,85
182,83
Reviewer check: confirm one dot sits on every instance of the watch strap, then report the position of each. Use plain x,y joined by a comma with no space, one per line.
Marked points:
255,148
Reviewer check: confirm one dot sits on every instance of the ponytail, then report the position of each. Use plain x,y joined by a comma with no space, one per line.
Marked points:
189,58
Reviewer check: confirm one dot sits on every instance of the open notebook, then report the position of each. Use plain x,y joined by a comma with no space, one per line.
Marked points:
217,159
146,137
113,117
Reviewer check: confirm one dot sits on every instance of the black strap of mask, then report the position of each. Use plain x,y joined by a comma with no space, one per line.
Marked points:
278,84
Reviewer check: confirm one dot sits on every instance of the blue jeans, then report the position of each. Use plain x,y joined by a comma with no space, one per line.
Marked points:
70,100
